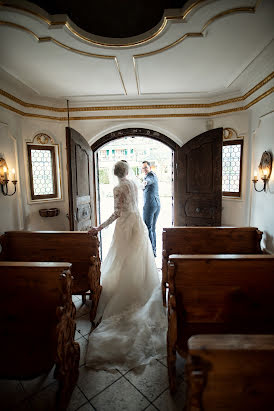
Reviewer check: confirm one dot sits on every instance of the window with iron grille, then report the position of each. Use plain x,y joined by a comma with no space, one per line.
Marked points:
42,172
232,168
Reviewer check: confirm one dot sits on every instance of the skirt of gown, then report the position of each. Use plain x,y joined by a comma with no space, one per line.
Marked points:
133,323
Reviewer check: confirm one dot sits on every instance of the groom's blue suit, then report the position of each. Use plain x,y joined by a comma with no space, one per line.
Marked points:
151,208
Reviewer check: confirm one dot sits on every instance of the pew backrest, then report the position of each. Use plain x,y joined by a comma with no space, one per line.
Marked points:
207,240
211,240
222,293
75,247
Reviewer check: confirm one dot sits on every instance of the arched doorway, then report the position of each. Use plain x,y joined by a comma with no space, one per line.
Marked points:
135,146
197,177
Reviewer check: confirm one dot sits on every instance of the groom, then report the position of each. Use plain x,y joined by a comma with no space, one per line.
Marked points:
151,208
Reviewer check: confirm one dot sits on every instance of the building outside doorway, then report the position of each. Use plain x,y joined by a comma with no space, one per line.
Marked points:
135,150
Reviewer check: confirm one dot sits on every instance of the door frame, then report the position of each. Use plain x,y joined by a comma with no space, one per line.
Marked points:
132,132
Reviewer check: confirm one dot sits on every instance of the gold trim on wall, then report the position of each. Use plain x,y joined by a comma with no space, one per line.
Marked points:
140,107
230,133
76,33
73,50
142,116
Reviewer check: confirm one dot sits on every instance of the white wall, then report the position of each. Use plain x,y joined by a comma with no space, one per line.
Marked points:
17,212
235,211
262,204
11,207
33,220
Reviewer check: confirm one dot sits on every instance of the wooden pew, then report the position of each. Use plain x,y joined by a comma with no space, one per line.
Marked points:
217,294
76,247
230,372
207,240
37,324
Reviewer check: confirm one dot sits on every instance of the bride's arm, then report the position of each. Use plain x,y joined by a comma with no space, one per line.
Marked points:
118,201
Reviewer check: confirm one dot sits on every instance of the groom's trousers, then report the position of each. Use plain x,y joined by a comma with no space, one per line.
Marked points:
150,216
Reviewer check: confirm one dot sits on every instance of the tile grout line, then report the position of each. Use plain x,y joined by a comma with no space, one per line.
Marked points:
91,398
139,390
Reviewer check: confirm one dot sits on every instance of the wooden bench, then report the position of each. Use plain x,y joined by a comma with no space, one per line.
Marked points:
217,294
207,240
230,372
37,324
76,247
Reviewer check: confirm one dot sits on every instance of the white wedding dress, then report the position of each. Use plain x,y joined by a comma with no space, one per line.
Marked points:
133,323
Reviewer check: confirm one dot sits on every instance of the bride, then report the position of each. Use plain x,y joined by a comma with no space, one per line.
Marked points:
132,328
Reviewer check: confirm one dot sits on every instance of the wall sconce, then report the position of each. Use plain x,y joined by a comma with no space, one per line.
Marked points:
265,168
4,178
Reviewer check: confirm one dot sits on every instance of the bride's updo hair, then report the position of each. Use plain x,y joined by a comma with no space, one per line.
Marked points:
121,169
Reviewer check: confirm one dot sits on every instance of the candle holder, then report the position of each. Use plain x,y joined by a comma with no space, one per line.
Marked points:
265,168
4,179
255,181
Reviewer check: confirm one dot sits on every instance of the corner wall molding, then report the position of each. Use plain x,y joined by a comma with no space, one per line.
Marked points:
136,107
143,116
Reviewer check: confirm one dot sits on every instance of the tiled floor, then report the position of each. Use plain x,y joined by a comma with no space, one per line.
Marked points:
145,388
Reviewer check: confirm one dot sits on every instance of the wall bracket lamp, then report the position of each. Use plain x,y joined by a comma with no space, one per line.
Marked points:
265,168
4,178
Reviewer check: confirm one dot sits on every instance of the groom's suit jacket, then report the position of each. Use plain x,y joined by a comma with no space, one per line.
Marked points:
151,191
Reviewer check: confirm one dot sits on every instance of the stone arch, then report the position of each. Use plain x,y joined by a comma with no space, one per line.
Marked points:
134,131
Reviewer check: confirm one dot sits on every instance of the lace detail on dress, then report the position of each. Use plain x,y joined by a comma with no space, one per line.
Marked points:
125,200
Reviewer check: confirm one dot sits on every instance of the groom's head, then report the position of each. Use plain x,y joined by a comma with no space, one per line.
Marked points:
146,167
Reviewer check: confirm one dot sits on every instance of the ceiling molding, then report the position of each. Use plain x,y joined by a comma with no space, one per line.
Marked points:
200,34
143,116
51,22
71,49
140,107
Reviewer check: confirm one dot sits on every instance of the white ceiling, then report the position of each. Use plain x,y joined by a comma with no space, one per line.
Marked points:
63,65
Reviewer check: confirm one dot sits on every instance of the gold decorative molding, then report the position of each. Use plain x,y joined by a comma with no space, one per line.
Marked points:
73,50
140,107
77,34
201,33
189,35
43,138
143,116
230,133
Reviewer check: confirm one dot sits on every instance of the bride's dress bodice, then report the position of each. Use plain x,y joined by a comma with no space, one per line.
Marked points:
125,200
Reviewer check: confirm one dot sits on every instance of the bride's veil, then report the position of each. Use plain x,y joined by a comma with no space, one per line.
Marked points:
134,178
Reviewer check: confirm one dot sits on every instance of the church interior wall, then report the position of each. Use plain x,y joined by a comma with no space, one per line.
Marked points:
262,204
243,211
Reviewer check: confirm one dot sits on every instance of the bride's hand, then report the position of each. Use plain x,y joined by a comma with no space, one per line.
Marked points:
93,231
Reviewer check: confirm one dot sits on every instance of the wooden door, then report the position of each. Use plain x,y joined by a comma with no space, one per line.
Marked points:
198,180
80,181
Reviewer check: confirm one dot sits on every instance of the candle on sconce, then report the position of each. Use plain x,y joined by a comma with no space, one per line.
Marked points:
13,174
5,172
265,173
255,176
